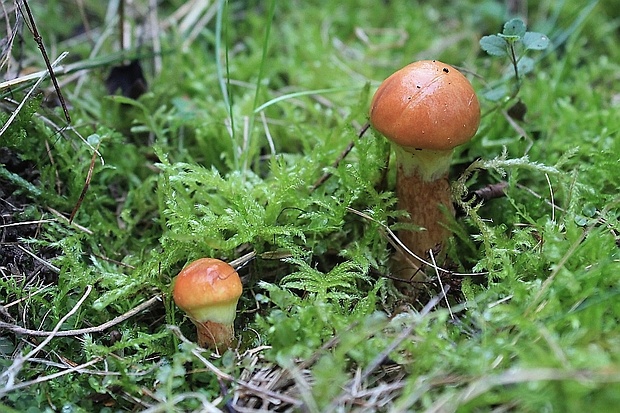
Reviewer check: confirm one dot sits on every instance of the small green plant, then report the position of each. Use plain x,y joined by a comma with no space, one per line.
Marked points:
340,283
513,42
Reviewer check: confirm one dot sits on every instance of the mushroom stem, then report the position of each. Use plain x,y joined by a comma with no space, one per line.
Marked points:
214,335
423,190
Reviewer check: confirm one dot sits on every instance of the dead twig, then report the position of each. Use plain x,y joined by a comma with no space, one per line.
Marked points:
483,384
17,224
97,329
536,301
340,158
168,405
42,76
384,354
9,375
397,243
89,176
40,260
293,378
491,191
50,69
49,377
444,290
66,220
227,377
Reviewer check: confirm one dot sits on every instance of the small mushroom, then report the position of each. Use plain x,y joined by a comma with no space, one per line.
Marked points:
426,109
208,290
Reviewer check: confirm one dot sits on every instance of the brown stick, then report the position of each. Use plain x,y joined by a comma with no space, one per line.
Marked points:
97,329
39,40
89,176
343,155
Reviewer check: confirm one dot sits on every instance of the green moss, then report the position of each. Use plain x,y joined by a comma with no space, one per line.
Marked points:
220,158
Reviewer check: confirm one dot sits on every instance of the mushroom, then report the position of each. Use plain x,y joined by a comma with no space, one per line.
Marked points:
426,109
208,290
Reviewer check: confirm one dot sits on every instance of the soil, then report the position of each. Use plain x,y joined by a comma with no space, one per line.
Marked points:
20,259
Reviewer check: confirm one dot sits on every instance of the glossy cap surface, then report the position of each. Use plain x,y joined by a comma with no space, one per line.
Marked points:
426,105
208,290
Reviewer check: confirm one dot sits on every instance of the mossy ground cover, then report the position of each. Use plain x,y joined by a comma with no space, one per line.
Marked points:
233,147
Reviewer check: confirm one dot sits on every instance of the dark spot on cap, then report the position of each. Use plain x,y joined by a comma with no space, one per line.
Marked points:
418,86
445,69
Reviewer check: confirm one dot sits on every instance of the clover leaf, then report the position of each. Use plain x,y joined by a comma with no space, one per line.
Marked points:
535,41
494,45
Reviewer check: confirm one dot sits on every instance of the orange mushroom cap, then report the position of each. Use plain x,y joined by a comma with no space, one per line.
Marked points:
208,289
426,105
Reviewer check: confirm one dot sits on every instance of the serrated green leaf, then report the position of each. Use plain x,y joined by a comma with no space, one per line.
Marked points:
535,41
514,27
494,45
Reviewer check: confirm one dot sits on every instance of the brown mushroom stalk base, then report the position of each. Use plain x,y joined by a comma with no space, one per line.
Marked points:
428,199
214,335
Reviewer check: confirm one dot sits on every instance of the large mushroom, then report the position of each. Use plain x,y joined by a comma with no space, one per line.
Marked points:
208,290
426,109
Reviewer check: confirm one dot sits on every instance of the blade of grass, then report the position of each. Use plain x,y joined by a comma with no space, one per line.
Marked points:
30,92
304,93
252,147
224,81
